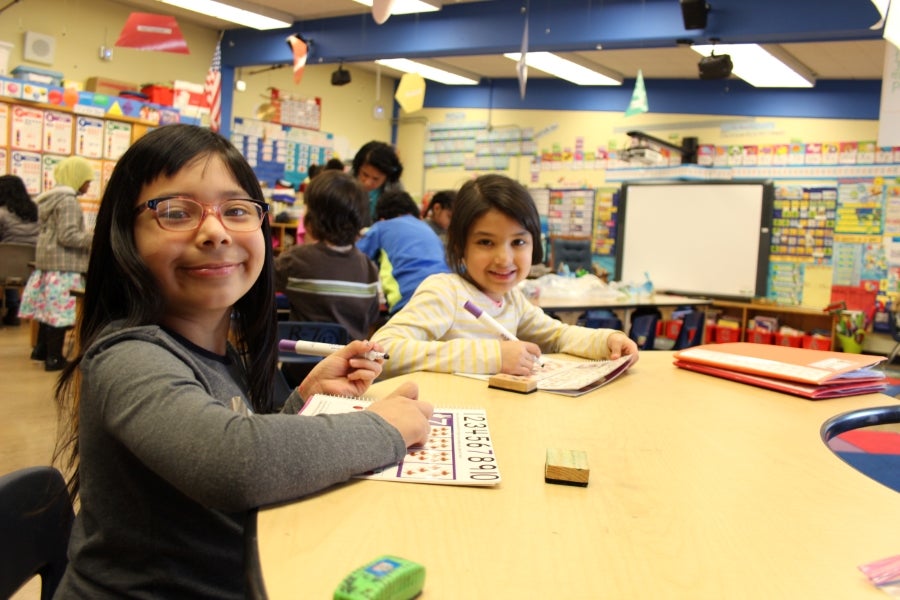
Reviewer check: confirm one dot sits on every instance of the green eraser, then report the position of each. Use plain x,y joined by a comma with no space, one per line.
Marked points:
385,578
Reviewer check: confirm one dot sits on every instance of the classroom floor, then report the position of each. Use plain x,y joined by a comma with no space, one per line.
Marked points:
28,432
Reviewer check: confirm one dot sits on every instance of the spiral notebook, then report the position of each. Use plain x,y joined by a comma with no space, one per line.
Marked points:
565,377
459,450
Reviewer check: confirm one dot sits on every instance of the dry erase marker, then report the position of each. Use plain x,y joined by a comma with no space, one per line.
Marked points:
493,324
321,349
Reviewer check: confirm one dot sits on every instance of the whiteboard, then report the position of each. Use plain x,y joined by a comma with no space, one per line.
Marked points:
701,239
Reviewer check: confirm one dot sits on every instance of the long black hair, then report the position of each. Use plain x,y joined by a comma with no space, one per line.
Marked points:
120,286
14,196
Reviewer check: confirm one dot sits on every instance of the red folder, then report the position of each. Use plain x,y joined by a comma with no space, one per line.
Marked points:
801,371
813,392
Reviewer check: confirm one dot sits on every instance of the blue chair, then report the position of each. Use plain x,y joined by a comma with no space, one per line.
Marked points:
691,332
643,330
600,319
296,366
575,252
35,520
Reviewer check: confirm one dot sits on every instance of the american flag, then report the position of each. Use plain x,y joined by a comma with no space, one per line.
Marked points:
213,87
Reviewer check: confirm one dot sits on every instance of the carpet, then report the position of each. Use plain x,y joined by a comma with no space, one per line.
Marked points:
871,452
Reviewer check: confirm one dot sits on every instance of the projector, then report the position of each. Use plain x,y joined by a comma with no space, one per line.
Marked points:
715,67
641,155
340,77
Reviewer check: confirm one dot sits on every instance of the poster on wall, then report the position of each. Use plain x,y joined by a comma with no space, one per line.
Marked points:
89,137
4,125
26,128
27,165
58,128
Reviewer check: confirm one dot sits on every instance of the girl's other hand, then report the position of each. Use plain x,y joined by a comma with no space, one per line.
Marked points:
519,358
345,373
406,412
620,344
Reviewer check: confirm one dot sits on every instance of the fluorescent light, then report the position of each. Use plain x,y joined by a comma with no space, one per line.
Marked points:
406,7
567,69
242,13
762,67
427,71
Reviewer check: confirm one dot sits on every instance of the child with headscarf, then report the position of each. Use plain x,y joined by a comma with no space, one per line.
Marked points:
61,258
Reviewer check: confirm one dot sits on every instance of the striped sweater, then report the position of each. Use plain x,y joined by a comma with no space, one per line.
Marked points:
434,332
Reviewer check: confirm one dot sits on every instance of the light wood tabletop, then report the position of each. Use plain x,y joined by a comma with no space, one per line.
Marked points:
588,302
699,488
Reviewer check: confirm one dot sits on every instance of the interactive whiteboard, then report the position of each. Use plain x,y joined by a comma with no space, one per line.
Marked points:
701,239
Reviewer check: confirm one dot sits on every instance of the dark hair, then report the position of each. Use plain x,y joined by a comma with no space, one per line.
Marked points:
120,286
395,203
382,157
480,195
335,164
444,199
313,170
334,200
14,196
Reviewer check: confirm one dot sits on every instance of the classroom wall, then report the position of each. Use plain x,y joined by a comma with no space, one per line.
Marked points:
347,111
80,27
561,129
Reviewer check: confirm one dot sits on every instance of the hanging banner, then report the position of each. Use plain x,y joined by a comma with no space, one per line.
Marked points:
157,33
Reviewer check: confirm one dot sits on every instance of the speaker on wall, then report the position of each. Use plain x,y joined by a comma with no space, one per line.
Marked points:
694,13
39,47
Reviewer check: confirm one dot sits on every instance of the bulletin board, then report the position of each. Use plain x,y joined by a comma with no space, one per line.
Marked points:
701,239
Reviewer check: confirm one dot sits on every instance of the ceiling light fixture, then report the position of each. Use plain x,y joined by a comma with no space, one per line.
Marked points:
577,71
431,70
760,66
407,7
236,11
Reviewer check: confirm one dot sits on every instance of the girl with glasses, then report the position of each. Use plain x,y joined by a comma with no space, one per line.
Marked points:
171,440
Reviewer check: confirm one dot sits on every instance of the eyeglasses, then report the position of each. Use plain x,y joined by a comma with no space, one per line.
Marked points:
177,213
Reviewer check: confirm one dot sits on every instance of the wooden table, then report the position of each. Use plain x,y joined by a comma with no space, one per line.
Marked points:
568,308
699,488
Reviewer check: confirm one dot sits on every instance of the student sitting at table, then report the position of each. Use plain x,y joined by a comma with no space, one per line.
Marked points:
490,247
404,247
167,424
330,280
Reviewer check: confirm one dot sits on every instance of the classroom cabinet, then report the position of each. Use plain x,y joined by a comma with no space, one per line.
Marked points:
797,317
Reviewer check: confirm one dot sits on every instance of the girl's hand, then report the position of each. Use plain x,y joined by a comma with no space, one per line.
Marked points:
344,373
518,358
403,410
620,344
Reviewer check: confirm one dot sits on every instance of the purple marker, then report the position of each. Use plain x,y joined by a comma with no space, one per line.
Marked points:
493,324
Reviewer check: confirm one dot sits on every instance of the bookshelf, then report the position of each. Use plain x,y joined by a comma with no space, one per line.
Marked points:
797,317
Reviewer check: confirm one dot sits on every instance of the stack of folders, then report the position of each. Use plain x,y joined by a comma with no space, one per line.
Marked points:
814,374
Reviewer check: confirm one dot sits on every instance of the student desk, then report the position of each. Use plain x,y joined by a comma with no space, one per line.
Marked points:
572,307
699,488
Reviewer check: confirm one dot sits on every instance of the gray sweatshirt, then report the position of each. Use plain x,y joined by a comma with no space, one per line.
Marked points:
169,471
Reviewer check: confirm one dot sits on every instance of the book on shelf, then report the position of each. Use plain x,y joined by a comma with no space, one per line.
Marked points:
559,376
814,374
459,450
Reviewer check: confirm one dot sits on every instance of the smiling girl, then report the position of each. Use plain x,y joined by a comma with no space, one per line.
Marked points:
492,243
167,422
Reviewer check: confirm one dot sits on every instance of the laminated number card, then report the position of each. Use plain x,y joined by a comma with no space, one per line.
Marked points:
459,450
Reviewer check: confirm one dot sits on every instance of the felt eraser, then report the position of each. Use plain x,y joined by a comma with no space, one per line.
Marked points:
513,383
567,467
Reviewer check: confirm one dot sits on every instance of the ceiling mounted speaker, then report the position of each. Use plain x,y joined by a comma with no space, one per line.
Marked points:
715,66
694,13
39,48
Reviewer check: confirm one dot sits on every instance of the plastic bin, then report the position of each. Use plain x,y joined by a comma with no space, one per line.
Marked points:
789,339
817,342
727,334
758,335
